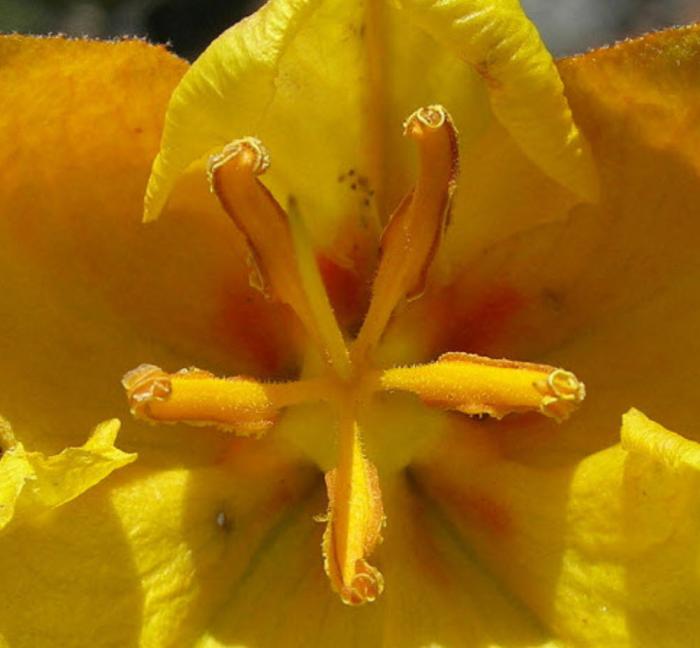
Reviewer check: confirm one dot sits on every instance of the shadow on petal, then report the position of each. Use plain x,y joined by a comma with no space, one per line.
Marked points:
69,578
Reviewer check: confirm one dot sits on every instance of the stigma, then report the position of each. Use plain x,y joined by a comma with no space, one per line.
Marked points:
283,266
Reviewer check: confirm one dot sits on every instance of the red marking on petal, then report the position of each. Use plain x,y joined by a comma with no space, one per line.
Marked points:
480,326
477,508
258,333
347,291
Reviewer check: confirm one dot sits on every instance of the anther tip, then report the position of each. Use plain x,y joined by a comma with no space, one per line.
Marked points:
145,384
562,393
428,117
249,153
366,586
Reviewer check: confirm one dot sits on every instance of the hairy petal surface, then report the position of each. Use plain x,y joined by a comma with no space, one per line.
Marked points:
151,557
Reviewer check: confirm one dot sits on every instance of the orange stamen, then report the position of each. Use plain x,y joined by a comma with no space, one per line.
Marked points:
197,397
284,265
411,238
285,268
476,385
354,521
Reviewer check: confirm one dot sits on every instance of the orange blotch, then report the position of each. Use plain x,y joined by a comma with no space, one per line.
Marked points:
475,507
348,293
285,491
478,326
259,334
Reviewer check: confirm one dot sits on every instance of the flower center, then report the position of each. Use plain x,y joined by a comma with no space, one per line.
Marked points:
284,268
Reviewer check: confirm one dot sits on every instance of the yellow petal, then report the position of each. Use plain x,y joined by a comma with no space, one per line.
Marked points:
31,484
73,183
436,594
612,293
275,77
153,557
604,552
258,78
200,566
525,91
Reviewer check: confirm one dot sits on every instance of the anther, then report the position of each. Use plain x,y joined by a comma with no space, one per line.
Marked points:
476,385
282,257
354,520
145,385
412,237
430,116
248,152
197,397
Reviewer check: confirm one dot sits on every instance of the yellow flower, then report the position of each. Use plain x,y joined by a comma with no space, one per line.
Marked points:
510,532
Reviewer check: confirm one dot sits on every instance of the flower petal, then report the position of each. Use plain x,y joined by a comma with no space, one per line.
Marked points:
151,557
301,73
275,76
610,294
88,292
436,594
525,91
604,552
201,556
31,483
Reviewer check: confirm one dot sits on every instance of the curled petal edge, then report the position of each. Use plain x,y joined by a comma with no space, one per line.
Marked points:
32,483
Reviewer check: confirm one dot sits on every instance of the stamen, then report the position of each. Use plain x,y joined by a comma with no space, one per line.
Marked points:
412,236
476,385
283,261
197,397
283,267
354,521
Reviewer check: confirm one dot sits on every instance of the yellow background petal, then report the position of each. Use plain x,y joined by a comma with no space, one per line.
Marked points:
525,91
604,553
152,556
88,291
610,294
31,484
